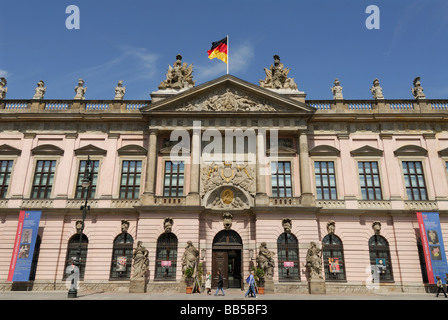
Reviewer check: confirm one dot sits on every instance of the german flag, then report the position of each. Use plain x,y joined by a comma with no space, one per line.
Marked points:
218,50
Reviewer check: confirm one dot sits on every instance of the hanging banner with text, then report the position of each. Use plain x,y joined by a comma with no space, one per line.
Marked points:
22,255
433,248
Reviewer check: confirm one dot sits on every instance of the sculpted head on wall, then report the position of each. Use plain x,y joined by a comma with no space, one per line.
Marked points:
287,225
168,224
331,227
376,226
124,226
227,220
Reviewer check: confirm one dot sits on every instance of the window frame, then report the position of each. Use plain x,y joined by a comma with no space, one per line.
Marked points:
76,186
128,249
178,174
423,165
337,186
291,176
8,188
55,174
381,189
136,159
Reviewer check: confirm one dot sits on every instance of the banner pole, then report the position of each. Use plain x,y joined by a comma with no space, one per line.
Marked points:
228,54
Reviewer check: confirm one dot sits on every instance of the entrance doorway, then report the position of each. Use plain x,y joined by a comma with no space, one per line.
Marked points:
227,247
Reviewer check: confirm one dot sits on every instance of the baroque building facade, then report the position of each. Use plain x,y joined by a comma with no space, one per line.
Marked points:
344,176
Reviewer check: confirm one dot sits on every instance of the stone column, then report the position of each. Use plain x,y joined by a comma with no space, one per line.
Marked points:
307,196
261,198
193,194
148,195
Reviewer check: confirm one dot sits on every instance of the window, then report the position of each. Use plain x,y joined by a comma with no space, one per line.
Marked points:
43,179
122,257
414,180
166,259
380,258
369,180
281,179
130,179
325,180
174,179
288,257
5,176
72,254
333,256
80,191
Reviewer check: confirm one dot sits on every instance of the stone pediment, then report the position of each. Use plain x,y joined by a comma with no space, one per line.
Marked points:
90,150
324,150
7,150
411,150
366,151
132,150
228,94
47,149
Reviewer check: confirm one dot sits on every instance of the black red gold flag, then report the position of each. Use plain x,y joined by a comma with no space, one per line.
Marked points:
218,50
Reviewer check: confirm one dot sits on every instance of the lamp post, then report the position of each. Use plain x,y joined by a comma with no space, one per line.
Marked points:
86,184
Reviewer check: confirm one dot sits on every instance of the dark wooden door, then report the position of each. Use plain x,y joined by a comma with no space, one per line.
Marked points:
220,262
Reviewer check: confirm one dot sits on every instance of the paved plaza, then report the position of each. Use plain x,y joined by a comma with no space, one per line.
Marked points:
230,295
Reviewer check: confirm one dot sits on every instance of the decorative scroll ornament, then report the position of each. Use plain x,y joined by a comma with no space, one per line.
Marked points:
227,102
179,76
216,175
277,77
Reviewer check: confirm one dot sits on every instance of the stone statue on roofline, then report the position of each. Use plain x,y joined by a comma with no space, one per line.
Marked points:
337,90
40,90
180,76
417,90
80,90
3,88
119,91
277,77
376,90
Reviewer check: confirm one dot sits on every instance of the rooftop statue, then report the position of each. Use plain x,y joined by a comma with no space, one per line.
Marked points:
40,90
179,76
417,91
120,91
277,77
376,90
337,90
80,90
3,89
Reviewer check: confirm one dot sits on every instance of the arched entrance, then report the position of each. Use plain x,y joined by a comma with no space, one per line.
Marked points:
227,247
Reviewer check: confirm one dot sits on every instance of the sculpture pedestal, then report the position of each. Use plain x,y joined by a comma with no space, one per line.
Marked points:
269,286
137,285
317,287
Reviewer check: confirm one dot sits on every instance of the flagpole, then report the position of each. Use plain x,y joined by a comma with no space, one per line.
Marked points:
227,54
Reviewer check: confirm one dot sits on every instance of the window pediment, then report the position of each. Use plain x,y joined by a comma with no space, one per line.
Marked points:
443,152
411,150
366,151
90,150
47,149
132,150
7,150
324,150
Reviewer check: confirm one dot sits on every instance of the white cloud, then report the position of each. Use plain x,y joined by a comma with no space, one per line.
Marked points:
4,73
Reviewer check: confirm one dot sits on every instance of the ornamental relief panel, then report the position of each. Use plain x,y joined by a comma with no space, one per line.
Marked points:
228,100
227,185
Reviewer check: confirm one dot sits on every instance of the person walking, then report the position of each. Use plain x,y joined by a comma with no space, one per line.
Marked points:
440,287
251,281
220,284
208,283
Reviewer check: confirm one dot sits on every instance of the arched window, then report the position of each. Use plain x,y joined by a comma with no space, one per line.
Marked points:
380,257
72,254
333,256
166,258
288,257
122,257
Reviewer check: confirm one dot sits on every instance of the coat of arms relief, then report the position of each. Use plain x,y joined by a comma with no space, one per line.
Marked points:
227,185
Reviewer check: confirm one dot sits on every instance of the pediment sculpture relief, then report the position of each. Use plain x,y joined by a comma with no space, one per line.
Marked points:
228,101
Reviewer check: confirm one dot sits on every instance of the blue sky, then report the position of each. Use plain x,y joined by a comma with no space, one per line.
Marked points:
136,40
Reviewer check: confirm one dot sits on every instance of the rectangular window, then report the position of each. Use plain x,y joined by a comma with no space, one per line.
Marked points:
5,176
414,180
43,179
369,180
325,180
173,179
131,174
281,179
80,191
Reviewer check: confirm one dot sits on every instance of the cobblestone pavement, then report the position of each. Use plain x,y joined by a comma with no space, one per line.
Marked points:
235,295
